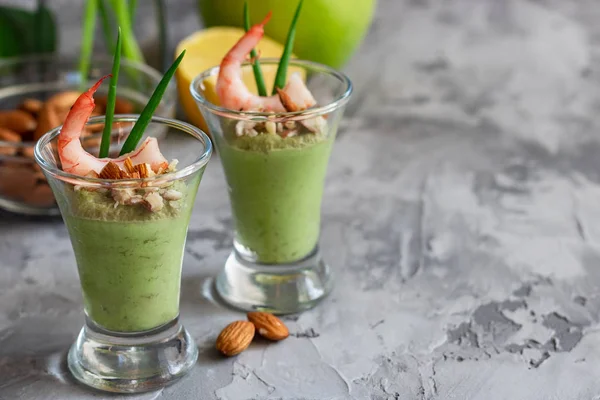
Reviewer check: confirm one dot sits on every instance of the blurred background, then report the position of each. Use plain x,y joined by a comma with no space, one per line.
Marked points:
51,50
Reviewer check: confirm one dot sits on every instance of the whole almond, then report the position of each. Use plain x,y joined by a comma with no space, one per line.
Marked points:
27,151
235,338
122,106
268,325
7,135
17,121
40,196
47,120
17,181
31,106
63,101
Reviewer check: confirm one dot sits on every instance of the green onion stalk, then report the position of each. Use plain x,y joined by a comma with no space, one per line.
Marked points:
87,41
258,76
281,76
112,98
146,115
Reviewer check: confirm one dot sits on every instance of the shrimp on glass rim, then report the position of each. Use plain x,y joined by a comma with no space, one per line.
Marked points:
234,94
75,160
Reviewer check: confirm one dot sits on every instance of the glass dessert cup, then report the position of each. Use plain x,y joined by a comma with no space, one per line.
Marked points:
23,189
129,257
275,190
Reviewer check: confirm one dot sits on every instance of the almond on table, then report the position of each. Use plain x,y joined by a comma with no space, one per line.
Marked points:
268,326
235,338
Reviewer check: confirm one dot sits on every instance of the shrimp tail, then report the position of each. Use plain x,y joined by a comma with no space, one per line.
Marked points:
68,139
231,89
266,19
80,112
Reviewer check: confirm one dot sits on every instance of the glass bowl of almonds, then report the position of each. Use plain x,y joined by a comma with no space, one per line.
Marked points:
36,93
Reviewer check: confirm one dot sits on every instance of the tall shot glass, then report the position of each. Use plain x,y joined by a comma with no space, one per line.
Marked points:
129,256
275,189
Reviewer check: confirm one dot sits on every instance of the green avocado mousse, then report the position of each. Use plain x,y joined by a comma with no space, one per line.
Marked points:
274,145
276,186
129,256
127,211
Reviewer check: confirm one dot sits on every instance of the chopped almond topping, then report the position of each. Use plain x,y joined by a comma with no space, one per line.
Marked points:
122,195
172,195
153,201
110,171
92,174
287,102
129,165
142,170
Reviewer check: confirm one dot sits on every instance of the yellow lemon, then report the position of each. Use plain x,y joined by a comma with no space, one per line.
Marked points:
328,31
206,49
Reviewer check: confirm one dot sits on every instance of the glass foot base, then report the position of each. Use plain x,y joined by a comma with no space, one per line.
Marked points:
278,289
132,363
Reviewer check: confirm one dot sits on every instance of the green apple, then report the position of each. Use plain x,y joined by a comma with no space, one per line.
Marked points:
328,31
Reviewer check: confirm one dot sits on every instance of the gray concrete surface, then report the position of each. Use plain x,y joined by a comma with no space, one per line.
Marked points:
460,217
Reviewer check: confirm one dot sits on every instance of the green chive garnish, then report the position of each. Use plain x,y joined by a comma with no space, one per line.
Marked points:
132,8
281,76
110,103
144,119
260,81
106,29
87,41
131,48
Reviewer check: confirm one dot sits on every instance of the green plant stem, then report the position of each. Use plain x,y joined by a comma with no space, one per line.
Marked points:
161,21
131,49
106,26
132,8
112,98
258,76
146,115
87,41
281,76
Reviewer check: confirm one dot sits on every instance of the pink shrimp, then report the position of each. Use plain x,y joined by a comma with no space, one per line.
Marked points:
76,160
234,94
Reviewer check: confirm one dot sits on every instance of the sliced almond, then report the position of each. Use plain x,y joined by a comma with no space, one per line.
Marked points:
287,102
235,338
128,165
17,121
143,170
110,171
268,325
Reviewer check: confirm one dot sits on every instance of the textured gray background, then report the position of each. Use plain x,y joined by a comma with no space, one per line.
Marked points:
460,217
